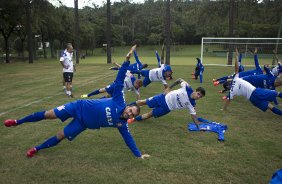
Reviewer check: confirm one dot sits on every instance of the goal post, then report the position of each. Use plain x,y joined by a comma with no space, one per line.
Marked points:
215,51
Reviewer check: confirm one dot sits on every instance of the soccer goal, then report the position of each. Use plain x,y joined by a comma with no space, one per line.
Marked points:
220,51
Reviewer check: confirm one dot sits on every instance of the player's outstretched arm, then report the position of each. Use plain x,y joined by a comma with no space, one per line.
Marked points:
144,156
141,118
196,121
227,103
129,54
159,59
178,81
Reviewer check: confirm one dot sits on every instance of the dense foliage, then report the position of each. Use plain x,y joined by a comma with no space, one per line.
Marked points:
131,22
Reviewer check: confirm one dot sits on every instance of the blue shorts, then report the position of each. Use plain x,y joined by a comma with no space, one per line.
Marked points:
261,97
75,127
110,89
146,81
159,104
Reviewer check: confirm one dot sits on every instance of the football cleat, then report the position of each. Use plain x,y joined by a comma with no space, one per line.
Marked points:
84,96
215,83
10,122
129,121
31,152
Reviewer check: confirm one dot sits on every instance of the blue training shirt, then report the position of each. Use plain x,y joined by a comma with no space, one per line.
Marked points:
106,112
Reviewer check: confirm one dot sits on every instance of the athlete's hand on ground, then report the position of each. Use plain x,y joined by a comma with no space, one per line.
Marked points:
84,96
145,156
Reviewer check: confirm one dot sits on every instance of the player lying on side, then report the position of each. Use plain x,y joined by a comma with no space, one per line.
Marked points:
89,114
163,73
162,104
130,84
259,97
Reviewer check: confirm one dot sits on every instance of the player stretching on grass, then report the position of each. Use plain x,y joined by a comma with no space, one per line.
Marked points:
163,73
89,114
259,97
256,71
162,104
199,70
130,84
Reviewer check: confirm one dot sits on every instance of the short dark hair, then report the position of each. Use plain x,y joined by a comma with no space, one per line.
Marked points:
145,65
137,107
201,90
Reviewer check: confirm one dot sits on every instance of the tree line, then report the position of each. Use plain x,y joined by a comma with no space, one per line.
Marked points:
190,20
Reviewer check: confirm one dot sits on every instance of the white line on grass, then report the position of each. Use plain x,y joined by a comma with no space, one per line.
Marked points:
60,93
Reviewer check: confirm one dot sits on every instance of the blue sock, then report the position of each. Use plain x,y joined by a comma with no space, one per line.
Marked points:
276,111
96,92
53,141
201,78
37,116
114,68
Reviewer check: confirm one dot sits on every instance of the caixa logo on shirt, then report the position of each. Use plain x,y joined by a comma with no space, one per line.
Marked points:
109,116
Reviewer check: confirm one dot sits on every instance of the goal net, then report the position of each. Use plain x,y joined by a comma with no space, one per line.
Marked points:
220,51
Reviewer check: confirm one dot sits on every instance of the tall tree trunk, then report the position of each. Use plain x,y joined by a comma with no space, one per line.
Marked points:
51,49
29,32
167,32
109,32
76,30
7,49
231,30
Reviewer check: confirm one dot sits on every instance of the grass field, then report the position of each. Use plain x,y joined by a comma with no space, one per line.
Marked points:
251,153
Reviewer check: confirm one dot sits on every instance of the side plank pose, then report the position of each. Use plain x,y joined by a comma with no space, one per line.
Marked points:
130,84
162,104
89,114
259,97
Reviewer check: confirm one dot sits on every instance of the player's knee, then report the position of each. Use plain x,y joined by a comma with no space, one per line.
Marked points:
50,114
60,135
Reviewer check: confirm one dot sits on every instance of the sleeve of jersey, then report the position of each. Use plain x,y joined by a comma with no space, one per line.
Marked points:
267,70
128,139
121,73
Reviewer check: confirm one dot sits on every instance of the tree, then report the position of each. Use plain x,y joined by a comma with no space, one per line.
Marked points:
76,30
109,32
9,19
29,31
167,32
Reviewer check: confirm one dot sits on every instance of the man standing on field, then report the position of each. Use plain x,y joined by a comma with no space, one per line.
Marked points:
68,68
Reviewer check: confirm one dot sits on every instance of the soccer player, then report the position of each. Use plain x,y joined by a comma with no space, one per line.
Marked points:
199,70
89,114
130,84
162,104
256,71
259,97
133,67
68,68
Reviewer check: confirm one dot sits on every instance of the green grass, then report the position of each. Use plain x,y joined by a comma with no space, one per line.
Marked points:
251,153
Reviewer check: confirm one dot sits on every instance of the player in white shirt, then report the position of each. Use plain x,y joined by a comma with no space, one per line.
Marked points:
259,97
183,98
68,68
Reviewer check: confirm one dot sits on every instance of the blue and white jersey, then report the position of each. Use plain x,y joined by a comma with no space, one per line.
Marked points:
157,74
240,87
66,58
179,99
129,83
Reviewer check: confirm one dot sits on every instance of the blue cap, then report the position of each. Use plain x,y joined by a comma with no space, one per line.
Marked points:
167,68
